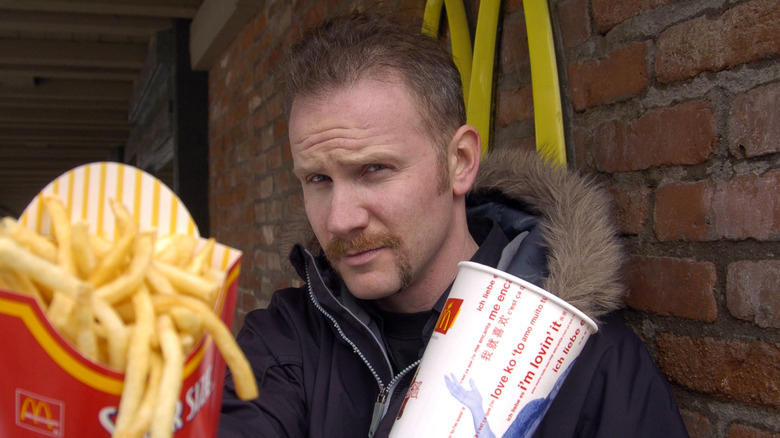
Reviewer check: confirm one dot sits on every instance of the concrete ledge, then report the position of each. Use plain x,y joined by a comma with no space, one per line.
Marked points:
214,26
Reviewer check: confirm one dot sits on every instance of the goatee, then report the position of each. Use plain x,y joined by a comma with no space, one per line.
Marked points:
339,247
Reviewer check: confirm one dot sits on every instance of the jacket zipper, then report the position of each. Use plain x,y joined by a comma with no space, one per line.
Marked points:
385,392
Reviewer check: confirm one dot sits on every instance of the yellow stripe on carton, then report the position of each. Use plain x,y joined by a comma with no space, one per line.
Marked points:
87,190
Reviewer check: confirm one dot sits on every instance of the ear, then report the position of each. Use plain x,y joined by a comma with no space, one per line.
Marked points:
465,153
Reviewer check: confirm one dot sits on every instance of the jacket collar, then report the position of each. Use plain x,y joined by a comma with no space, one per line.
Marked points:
584,254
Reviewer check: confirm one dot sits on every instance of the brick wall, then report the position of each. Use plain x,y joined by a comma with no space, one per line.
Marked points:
673,105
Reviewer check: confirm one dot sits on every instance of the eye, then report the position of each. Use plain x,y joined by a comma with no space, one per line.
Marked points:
317,178
375,168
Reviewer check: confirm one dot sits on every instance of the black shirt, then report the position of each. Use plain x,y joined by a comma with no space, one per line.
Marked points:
406,334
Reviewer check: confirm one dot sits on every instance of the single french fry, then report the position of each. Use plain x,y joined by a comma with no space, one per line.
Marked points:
86,340
137,362
171,381
7,282
187,321
187,283
39,245
116,330
17,258
187,342
60,314
143,415
202,259
100,245
109,265
129,281
175,249
125,310
14,281
159,283
83,254
60,225
243,376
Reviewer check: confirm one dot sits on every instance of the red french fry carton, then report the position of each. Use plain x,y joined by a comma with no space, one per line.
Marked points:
49,389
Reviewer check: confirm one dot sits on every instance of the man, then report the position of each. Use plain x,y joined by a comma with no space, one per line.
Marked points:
388,169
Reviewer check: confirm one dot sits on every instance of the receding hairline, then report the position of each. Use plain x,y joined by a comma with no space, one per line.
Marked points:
384,75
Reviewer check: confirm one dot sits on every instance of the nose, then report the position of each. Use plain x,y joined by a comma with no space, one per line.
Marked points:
348,211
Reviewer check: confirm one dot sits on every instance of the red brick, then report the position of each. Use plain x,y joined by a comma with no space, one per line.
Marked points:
275,211
292,207
684,134
280,17
698,425
512,5
236,114
514,48
751,291
747,32
267,235
284,181
754,123
574,22
730,368
743,431
314,15
672,287
274,106
260,22
609,13
274,261
619,75
580,142
246,301
244,38
748,206
411,11
280,128
274,157
265,187
286,152
266,136
683,211
631,207
514,105
260,212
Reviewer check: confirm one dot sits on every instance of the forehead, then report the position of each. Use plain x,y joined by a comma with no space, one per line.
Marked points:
366,109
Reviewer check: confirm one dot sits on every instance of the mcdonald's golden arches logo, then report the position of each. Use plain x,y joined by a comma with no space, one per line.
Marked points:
39,414
448,315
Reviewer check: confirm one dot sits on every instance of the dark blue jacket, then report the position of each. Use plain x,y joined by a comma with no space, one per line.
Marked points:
321,366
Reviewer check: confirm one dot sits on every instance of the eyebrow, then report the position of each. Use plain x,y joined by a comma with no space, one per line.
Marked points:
349,160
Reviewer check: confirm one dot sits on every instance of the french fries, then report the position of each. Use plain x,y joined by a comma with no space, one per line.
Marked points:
137,305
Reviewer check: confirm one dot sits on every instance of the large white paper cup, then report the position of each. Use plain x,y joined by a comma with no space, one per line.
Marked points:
497,357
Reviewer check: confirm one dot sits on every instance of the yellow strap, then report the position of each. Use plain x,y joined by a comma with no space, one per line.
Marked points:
459,34
479,106
548,116
477,72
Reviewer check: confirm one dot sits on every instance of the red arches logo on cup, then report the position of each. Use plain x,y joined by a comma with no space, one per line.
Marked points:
448,315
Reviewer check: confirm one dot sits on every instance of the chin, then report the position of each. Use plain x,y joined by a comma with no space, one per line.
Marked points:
371,290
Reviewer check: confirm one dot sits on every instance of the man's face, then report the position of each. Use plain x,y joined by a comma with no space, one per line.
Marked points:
371,188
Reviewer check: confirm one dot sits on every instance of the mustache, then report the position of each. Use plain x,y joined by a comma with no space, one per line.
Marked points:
339,247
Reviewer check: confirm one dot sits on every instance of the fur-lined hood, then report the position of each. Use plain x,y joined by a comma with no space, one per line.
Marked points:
584,255
569,219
